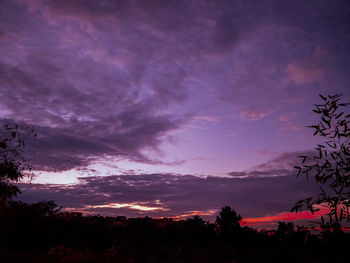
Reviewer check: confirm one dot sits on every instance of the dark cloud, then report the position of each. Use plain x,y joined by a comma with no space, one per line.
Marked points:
81,107
96,78
90,87
103,78
264,190
175,195
281,165
263,66
223,21
100,79
82,141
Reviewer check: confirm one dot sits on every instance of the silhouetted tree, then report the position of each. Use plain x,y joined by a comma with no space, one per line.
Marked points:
330,167
228,219
12,163
196,221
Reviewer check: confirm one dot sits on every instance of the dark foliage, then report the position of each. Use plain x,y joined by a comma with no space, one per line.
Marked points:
13,166
39,233
330,167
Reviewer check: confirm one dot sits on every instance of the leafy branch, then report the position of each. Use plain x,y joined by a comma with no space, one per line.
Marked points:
13,165
330,167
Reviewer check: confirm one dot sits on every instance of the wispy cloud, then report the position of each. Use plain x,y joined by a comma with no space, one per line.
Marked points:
135,206
207,118
253,115
304,74
280,165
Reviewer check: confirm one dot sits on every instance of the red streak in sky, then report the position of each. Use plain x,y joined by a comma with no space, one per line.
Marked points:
286,216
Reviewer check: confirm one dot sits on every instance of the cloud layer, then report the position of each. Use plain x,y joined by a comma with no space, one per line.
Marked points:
173,195
165,83
115,77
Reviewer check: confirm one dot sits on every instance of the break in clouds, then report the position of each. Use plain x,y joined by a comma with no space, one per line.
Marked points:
159,195
269,188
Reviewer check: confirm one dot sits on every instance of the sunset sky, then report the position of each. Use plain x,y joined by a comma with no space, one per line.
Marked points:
170,108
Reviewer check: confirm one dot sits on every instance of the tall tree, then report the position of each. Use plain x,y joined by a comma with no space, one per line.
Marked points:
330,165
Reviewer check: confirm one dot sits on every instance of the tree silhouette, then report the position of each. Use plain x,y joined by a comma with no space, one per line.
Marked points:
330,167
13,166
228,219
196,221
285,228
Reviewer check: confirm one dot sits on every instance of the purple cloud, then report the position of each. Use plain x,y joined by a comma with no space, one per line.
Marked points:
173,195
114,77
266,189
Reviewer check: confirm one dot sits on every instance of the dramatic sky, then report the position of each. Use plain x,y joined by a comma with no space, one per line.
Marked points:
170,108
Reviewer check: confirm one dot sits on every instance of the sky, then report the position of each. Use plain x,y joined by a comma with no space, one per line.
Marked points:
170,108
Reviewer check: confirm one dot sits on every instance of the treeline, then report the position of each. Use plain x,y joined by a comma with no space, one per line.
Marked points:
41,233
